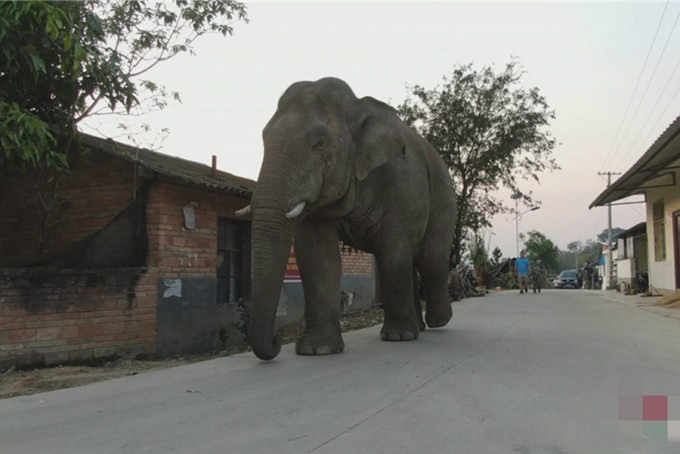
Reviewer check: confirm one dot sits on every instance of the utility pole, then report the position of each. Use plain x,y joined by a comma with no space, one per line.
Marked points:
609,231
515,196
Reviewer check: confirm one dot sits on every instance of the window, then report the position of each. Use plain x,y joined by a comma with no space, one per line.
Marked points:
621,247
659,220
233,260
630,247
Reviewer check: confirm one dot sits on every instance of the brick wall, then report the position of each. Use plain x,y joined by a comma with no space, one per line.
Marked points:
355,262
50,316
88,199
176,250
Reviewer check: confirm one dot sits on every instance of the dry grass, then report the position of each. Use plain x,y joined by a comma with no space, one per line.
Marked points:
671,301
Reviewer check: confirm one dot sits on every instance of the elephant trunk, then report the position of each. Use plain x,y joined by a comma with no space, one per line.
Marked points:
272,236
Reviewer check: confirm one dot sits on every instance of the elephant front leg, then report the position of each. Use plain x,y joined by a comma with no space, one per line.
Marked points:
397,293
318,254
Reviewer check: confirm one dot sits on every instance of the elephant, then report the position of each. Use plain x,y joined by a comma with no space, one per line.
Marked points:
337,168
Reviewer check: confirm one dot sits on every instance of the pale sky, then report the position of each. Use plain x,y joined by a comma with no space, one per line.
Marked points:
609,70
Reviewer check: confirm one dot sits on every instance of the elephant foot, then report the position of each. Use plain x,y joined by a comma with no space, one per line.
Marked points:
439,316
319,342
399,331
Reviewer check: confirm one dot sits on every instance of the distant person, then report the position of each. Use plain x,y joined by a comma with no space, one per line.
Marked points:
522,266
588,271
537,273
579,278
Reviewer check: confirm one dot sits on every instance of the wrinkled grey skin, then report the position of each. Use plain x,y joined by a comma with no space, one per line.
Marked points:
367,179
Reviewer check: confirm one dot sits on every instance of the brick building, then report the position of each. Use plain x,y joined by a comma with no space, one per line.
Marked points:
134,253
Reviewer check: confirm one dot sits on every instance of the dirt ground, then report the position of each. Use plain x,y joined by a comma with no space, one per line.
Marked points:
24,382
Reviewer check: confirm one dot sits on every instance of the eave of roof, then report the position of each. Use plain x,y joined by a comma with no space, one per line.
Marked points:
635,230
653,169
176,169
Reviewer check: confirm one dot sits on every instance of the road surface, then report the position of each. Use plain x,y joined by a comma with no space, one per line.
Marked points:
550,373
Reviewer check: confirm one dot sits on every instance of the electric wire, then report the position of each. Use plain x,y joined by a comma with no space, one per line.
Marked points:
625,157
632,96
635,145
658,120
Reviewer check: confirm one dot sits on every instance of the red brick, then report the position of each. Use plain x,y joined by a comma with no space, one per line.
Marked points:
89,330
47,333
21,335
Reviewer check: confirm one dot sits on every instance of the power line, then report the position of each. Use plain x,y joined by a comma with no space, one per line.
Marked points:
634,143
670,102
632,96
649,83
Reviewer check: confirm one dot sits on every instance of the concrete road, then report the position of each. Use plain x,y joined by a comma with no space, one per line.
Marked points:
512,374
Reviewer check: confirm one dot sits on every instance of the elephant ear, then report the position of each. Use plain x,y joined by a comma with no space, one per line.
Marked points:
377,135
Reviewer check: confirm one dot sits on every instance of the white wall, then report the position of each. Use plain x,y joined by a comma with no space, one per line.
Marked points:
662,273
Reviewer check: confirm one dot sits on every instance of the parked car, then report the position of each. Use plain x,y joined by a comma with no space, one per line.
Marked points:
566,279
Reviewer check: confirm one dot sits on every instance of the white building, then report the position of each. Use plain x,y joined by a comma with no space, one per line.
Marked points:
655,175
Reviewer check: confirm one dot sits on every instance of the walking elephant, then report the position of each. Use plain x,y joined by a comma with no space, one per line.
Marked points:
338,168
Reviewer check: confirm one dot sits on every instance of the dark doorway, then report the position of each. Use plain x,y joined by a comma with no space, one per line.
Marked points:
233,260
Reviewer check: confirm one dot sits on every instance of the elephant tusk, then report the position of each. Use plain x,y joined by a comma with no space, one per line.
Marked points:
295,212
245,211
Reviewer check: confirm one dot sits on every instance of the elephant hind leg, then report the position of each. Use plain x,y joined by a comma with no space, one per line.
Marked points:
433,266
417,297
395,278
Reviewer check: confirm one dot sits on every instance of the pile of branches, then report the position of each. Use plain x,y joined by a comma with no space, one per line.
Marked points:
463,283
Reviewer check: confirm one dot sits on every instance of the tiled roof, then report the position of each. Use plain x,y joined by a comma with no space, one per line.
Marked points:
177,169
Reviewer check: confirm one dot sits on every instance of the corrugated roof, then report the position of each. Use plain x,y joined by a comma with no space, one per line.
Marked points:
178,169
653,169
635,230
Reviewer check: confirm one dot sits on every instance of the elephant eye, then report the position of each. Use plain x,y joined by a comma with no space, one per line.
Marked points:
320,144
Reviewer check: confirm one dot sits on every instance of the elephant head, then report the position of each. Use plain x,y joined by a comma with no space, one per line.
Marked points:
320,142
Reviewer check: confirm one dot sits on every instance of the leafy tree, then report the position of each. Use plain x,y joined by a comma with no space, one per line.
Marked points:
491,133
496,255
591,252
603,237
574,246
538,245
569,259
478,253
578,253
62,62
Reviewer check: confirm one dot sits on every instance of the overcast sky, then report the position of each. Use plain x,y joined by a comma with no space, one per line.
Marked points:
607,69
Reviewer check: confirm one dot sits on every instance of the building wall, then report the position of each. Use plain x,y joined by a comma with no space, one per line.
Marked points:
50,316
356,263
625,273
88,199
357,288
662,273
190,320
358,281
